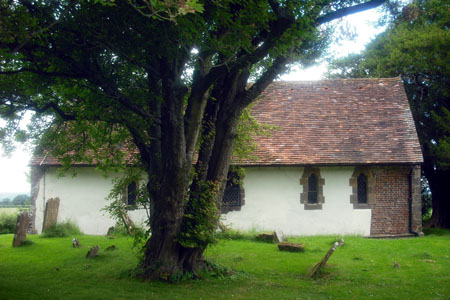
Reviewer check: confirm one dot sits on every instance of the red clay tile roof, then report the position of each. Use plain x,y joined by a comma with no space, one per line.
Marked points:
330,122
350,121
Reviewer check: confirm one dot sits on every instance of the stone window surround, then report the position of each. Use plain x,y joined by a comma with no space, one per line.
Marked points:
320,183
370,188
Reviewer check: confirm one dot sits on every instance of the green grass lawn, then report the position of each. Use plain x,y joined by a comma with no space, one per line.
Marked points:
361,269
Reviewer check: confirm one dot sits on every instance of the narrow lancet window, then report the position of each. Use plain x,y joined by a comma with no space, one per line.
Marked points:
362,188
312,189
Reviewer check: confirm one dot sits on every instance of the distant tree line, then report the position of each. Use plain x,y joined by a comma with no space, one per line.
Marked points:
21,199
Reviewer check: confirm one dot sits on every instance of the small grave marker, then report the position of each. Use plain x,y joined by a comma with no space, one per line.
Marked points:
75,243
20,233
291,247
93,252
278,236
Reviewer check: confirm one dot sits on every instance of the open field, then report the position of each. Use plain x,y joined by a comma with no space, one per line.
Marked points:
13,210
9,210
361,269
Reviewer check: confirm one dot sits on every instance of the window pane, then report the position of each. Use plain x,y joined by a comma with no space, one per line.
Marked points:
362,188
132,193
232,196
312,189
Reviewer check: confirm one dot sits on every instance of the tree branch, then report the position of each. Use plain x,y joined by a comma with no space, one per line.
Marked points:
56,109
266,78
44,73
348,11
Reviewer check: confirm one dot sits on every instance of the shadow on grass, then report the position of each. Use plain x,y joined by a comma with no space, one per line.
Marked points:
27,243
436,231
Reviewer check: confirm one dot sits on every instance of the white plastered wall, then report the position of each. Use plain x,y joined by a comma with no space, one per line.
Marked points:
81,199
272,201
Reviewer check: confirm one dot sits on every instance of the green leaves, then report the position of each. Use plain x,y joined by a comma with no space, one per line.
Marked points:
200,217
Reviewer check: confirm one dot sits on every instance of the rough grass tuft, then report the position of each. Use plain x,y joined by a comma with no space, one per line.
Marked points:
7,222
64,229
231,234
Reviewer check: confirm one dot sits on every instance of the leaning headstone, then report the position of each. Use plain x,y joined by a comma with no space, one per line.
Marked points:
75,243
278,236
92,252
20,233
129,224
111,231
51,213
315,270
291,247
222,227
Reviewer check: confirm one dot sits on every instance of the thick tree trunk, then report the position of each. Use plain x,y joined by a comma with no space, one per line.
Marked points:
168,172
440,193
164,255
162,252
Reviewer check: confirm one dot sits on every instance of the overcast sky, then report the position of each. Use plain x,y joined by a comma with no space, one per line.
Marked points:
13,170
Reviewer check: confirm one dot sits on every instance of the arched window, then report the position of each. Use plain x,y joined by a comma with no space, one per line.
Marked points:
312,189
362,188
312,183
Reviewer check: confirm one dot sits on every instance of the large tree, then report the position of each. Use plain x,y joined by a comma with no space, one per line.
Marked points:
103,75
416,46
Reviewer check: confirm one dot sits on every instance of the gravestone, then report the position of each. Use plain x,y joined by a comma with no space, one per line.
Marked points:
129,224
278,236
92,252
291,247
51,213
268,237
20,233
315,270
75,243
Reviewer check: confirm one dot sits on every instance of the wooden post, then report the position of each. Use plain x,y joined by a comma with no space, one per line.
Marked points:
324,260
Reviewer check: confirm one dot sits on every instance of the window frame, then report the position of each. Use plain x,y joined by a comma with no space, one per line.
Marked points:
370,188
304,196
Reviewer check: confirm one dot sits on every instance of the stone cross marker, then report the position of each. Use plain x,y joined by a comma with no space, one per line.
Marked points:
23,220
51,213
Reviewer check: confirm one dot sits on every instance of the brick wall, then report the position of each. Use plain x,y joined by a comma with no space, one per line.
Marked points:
391,210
